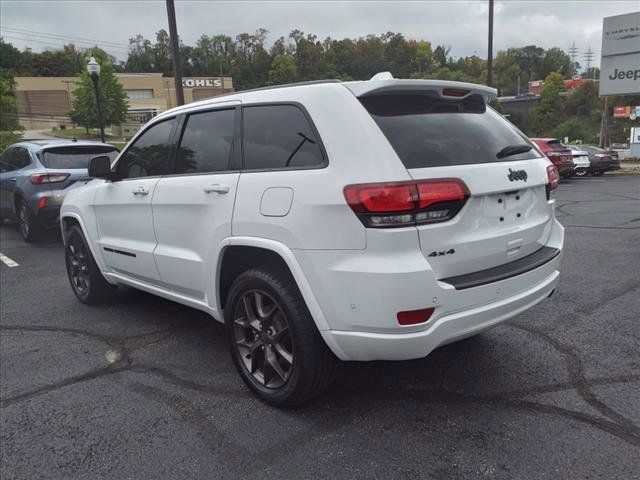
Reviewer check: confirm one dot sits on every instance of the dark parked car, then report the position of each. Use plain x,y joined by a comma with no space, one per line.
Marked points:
602,160
36,174
559,155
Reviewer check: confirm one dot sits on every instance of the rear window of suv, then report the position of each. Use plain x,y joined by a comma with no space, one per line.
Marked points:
428,131
75,157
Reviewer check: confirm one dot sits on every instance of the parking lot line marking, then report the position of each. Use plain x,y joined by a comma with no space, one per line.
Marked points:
7,261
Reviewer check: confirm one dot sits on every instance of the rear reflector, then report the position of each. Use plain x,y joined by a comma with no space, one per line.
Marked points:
401,204
42,202
553,177
41,178
413,317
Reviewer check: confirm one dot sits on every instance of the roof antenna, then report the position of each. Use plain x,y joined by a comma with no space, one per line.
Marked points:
382,76
74,139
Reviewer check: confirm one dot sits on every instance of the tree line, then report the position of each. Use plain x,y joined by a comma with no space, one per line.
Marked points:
300,57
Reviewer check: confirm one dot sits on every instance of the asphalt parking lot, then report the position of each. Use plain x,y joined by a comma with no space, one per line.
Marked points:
144,388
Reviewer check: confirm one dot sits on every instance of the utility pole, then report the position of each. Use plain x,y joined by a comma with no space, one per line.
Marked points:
573,54
604,123
175,51
490,46
588,57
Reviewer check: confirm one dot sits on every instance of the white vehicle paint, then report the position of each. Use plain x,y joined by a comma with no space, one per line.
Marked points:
472,242
581,162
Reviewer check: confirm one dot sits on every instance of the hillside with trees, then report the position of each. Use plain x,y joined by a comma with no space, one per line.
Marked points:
254,61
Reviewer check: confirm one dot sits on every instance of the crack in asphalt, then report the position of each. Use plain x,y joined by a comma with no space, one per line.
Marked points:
582,386
614,423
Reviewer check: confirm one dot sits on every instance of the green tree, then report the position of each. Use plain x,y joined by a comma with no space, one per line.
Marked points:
8,115
424,55
547,114
583,101
555,60
507,72
283,70
112,97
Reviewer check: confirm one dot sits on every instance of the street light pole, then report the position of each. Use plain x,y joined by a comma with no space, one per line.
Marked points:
94,72
490,46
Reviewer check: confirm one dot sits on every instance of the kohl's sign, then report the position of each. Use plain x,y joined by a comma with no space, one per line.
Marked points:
202,82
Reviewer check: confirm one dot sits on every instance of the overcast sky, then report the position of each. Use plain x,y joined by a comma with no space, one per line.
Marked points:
462,25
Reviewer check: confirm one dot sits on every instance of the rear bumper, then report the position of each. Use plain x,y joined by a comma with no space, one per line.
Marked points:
49,216
364,346
361,292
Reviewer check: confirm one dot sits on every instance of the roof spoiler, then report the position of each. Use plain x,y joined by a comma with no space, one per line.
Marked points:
384,82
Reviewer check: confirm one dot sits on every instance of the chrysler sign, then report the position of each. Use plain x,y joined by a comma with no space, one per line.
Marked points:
620,64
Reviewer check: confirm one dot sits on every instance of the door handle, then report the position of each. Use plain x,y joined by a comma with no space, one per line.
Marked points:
217,188
13,180
141,190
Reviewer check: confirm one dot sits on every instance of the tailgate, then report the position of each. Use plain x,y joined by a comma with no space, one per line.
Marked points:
502,220
450,133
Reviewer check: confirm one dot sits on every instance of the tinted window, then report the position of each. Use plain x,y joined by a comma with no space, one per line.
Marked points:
20,158
206,142
4,160
278,136
149,155
427,131
75,157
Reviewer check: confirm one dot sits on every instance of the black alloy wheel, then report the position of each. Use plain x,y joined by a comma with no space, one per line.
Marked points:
263,339
78,265
274,342
85,277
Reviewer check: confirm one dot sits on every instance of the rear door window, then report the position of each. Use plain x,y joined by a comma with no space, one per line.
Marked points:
279,137
207,142
64,158
428,131
20,158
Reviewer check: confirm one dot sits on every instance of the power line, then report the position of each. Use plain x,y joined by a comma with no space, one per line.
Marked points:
573,52
59,46
588,57
51,42
59,36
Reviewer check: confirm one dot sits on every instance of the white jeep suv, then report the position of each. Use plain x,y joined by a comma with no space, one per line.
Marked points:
366,220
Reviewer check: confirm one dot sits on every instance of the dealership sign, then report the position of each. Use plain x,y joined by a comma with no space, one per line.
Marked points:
202,82
620,64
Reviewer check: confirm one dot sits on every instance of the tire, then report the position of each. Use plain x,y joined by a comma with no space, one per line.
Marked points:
581,172
30,229
84,275
273,339
598,173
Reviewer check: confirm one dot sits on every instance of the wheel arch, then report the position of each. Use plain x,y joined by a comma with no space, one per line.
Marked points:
70,218
239,254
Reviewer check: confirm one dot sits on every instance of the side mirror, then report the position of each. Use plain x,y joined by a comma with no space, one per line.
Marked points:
100,167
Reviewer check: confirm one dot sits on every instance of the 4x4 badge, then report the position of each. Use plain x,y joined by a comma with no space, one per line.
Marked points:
517,175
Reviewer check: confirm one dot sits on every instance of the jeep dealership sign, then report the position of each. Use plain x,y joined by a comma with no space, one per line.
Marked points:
620,63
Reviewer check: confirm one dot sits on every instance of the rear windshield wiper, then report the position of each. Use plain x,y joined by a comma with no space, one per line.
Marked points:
513,150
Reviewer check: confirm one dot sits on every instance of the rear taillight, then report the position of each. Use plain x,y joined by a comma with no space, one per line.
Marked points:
553,179
401,204
41,178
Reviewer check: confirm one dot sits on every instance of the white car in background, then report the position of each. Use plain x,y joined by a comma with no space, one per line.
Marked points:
365,220
580,159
